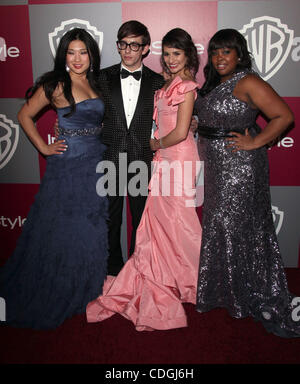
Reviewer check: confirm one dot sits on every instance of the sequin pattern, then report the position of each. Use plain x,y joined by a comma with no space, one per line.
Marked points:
80,132
241,267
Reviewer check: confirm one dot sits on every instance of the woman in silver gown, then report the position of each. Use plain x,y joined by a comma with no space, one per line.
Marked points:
241,268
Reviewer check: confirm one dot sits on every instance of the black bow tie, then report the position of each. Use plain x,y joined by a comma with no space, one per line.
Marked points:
137,74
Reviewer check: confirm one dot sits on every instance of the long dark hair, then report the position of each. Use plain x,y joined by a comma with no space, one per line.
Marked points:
50,80
180,39
229,38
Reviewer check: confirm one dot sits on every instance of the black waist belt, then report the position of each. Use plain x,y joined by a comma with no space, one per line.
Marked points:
220,132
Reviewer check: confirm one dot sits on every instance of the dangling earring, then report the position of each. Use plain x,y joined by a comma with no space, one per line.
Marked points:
67,69
91,69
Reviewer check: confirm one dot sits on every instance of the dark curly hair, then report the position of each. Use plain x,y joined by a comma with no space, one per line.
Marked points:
225,38
180,39
50,80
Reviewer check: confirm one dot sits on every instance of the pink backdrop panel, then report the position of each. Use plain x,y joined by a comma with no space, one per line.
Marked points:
199,19
18,199
71,1
15,51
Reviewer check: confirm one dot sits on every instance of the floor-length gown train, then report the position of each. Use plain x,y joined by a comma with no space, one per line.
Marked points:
59,263
241,268
162,272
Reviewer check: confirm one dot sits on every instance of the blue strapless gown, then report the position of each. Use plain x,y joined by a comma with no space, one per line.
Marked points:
59,264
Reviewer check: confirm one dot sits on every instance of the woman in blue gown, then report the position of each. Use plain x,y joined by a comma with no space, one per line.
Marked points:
59,263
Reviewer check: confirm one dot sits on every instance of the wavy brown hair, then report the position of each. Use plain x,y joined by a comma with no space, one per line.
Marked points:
180,39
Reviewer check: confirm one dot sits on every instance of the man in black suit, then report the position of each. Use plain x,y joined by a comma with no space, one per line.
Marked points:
127,125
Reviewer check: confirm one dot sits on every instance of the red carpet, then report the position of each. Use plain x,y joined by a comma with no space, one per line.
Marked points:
213,337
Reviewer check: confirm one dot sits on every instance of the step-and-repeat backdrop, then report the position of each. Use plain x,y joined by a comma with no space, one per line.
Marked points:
30,32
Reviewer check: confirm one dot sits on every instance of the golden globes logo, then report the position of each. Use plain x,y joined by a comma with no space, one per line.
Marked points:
270,42
9,137
56,35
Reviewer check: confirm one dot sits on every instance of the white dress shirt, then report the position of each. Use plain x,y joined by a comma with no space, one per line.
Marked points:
130,93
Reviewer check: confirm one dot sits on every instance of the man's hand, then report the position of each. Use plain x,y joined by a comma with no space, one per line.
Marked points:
194,125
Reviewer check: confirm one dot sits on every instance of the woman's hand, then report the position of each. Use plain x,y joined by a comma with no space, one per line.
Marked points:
57,148
240,142
154,144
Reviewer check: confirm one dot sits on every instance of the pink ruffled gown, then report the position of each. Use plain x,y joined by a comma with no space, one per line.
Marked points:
162,272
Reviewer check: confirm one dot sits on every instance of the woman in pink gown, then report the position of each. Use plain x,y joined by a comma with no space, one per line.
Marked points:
162,272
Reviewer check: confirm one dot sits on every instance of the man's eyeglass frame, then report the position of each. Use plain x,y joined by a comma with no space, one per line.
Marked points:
130,45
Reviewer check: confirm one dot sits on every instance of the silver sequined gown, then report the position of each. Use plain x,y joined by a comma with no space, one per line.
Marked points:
241,267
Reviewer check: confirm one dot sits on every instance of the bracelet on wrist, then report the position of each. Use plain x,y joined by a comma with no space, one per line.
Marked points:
160,143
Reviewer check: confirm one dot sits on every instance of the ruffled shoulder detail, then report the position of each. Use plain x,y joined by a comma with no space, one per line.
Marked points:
175,92
178,88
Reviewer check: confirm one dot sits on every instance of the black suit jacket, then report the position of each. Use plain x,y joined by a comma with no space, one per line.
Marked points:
115,134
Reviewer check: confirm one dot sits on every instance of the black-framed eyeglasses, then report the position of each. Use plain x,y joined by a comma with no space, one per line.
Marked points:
133,46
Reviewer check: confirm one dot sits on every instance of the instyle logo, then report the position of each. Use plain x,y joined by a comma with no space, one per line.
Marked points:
270,41
9,137
7,51
12,223
156,48
277,218
51,139
55,36
286,142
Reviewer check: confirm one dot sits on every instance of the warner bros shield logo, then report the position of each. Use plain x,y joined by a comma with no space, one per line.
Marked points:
65,26
277,218
9,137
270,42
